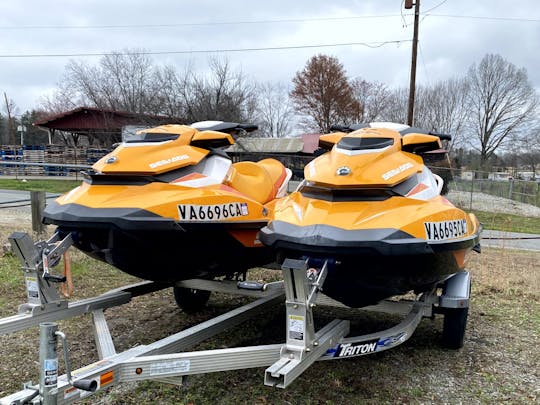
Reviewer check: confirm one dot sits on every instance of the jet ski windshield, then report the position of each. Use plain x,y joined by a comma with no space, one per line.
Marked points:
150,137
355,143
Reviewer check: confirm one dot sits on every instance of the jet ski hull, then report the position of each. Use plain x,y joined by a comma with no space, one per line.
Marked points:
168,204
151,247
369,264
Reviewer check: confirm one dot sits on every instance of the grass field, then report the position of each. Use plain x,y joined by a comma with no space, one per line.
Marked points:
50,186
498,364
508,222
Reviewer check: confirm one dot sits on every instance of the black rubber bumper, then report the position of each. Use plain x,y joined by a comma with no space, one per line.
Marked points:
326,239
80,216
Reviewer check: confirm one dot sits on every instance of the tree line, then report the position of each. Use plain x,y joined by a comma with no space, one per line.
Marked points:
493,105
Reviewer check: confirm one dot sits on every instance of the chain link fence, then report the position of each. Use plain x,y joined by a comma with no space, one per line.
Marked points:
472,183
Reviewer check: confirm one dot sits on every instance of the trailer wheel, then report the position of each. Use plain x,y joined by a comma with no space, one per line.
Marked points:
190,299
455,322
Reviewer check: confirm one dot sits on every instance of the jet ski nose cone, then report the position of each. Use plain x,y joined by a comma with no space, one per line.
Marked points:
343,171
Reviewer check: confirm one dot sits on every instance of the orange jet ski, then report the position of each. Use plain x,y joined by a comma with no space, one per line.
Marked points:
169,204
372,209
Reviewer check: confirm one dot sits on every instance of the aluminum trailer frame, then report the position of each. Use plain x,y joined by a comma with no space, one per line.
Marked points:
168,360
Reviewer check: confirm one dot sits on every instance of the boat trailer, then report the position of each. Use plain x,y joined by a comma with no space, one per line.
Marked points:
167,360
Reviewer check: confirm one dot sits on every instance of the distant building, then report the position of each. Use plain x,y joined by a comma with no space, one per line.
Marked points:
97,126
500,176
467,175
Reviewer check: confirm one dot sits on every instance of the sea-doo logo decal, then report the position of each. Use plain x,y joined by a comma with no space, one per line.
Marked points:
163,162
356,349
445,229
217,212
391,173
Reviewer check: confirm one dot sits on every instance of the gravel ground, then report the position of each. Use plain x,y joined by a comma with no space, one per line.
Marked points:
486,202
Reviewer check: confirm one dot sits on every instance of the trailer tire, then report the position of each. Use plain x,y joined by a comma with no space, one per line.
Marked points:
190,299
455,322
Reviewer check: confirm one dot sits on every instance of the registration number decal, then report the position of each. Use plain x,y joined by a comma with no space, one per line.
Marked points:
445,229
216,212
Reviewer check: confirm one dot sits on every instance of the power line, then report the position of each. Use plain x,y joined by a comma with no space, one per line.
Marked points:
434,7
247,22
64,55
271,21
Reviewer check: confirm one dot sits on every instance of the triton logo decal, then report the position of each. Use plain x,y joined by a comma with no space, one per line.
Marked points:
356,349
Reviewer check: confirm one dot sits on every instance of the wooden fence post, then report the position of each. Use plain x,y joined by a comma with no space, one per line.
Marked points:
37,203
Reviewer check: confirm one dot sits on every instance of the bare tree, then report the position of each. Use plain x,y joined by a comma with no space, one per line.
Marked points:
442,108
396,106
128,81
323,96
373,98
64,98
275,111
11,124
501,103
173,89
223,94
528,149
123,81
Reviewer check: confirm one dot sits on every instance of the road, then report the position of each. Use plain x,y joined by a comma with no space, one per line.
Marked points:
510,240
19,198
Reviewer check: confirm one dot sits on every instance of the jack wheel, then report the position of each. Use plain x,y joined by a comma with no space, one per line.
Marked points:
190,299
455,322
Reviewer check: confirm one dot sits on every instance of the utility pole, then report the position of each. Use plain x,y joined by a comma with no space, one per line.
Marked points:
412,85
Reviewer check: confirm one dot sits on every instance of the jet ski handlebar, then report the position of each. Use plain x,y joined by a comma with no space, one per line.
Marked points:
442,137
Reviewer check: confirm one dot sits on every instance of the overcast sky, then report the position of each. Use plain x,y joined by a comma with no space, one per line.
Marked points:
453,35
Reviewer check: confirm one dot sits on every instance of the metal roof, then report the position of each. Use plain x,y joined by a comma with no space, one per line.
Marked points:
88,118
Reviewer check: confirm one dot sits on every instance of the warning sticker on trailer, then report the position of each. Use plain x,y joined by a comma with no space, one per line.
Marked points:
32,288
170,367
216,212
50,367
296,327
442,230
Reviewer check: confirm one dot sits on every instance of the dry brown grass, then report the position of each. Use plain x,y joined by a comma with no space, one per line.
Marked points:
510,273
498,364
